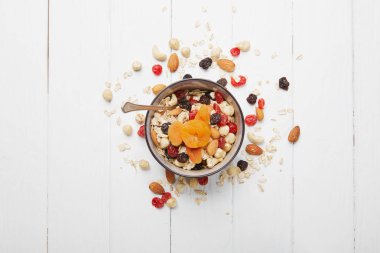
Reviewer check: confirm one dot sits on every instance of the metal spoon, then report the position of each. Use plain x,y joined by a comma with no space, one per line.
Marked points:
130,107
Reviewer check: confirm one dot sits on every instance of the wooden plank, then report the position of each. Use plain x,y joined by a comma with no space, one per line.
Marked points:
78,129
135,28
323,164
263,220
367,122
23,112
208,226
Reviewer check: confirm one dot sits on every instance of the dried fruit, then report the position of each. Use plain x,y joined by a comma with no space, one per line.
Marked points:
221,142
294,134
192,114
283,83
141,131
235,51
241,82
216,108
250,120
204,100
205,63
182,157
261,103
170,177
156,188
144,164
218,97
157,69
223,120
243,165
165,127
253,149
212,147
166,196
203,180
107,95
251,99
244,46
153,135
185,104
259,114
195,154
157,54
172,202
187,76
215,118
157,202
226,65
174,133
195,133
173,62
203,114
172,151
233,127
174,43
185,51
136,66
127,129
222,81
198,166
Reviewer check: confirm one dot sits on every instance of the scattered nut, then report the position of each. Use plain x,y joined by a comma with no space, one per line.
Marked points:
107,95
136,66
170,177
127,129
215,53
158,88
156,188
226,65
144,164
140,118
173,62
174,43
157,54
227,147
253,149
185,51
193,182
255,139
294,134
172,202
244,46
180,187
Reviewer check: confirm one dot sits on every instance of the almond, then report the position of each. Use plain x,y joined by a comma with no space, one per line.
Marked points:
259,114
158,88
170,177
253,149
156,188
173,62
215,133
153,134
175,111
226,65
212,147
294,134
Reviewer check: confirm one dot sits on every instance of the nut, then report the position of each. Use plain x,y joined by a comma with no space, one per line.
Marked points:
127,129
136,66
215,133
215,53
172,202
230,138
220,153
253,149
212,147
224,130
227,147
170,177
164,143
226,65
107,95
173,62
185,51
140,118
193,182
259,114
174,43
233,171
255,139
158,88
153,134
175,111
157,54
180,187
244,46
156,188
144,164
294,134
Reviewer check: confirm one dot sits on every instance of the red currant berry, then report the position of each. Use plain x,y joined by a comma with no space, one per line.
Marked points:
203,180
166,196
141,131
250,120
235,51
192,114
216,108
218,97
172,151
221,142
261,103
233,127
223,120
157,202
157,69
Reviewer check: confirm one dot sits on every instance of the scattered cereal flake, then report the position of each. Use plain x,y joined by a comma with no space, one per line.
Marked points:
257,52
282,112
124,146
256,91
281,161
117,87
200,200
227,213
164,8
276,131
200,192
108,84
118,121
204,9
208,27
197,24
274,55
267,81
272,119
299,57
147,90
261,188
233,9
210,46
257,128
289,110
109,113
262,180
133,163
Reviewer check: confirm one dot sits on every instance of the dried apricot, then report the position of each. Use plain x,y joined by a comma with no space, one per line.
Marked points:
195,133
174,133
203,114
195,154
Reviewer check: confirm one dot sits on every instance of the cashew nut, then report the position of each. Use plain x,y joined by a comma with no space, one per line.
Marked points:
185,51
157,54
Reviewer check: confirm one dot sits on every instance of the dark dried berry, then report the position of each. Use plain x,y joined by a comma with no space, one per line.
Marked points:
204,163
187,76
185,104
243,165
165,128
198,166
182,157
208,94
222,81
251,99
172,152
204,100
215,119
283,83
205,63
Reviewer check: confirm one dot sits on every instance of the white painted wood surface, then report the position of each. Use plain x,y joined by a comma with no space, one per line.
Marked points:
65,187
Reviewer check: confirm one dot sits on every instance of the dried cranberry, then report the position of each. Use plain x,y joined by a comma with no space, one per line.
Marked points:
165,127
204,100
166,196
221,142
216,108
180,94
205,63
215,119
218,97
182,157
157,69
250,120
223,120
251,99
157,202
193,101
233,127
242,81
187,76
141,131
192,114
172,151
203,180
243,165
261,103
235,51
222,81
283,83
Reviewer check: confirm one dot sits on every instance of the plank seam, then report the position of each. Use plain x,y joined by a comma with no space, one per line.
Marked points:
353,126
47,123
292,236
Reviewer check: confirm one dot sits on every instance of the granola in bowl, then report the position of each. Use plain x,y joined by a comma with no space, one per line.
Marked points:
198,133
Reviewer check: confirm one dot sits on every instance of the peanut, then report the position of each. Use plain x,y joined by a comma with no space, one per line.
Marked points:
158,88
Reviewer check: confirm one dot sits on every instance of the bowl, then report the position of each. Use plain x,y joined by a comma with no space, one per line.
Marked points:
192,84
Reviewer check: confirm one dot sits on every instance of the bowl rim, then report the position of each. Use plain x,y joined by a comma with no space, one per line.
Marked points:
154,153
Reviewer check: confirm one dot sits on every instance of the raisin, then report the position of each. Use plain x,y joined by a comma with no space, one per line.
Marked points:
198,166
283,83
243,165
215,119
204,100
187,76
182,157
185,104
165,128
251,99
205,63
222,82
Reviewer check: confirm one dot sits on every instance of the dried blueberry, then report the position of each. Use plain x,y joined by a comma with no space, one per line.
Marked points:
222,81
215,118
243,165
187,76
251,99
185,104
198,166
165,127
182,157
205,63
283,83
204,100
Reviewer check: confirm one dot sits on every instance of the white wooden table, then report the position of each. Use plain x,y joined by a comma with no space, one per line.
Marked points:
64,186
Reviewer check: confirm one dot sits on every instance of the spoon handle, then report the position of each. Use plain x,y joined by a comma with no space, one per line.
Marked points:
130,107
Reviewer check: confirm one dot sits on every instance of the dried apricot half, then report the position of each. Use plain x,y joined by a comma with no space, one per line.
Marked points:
195,154
203,114
174,133
195,133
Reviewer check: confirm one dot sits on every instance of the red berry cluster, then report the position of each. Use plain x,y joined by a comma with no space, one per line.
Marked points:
251,119
159,202
141,131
